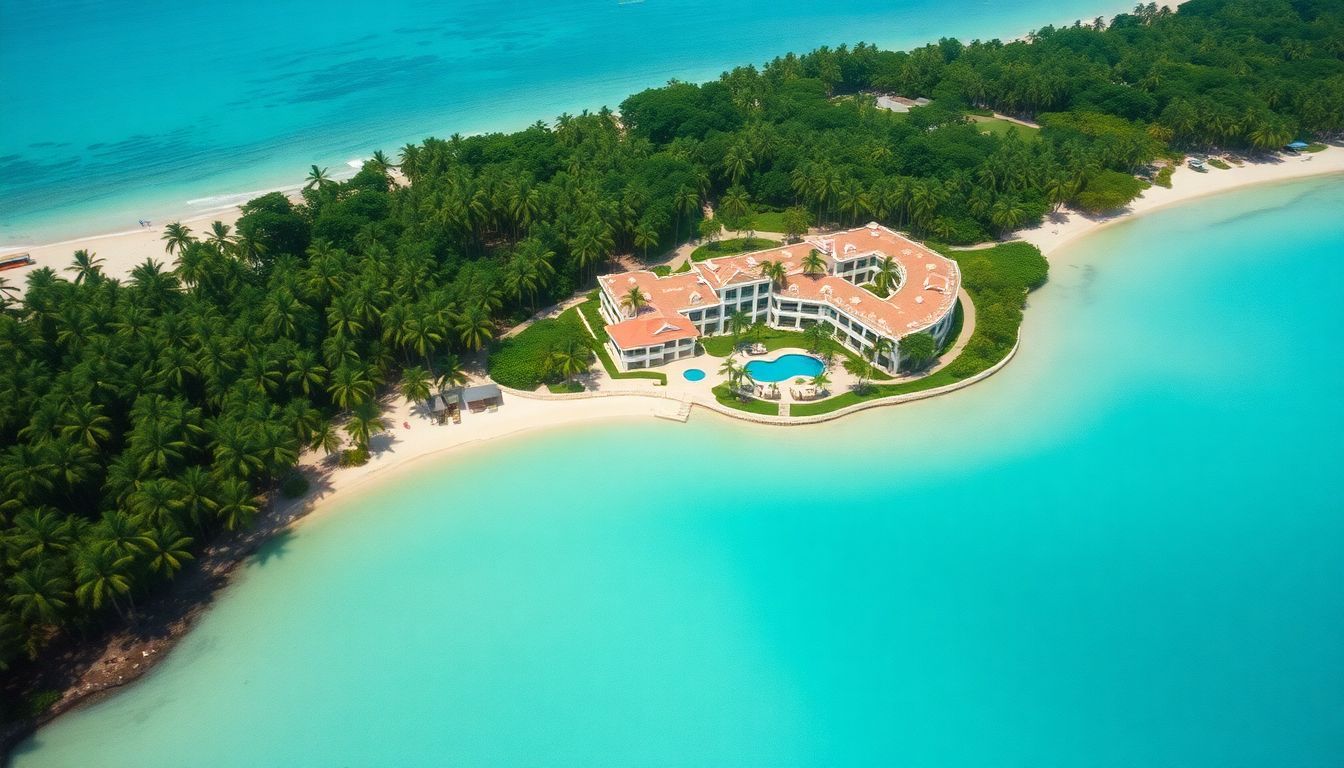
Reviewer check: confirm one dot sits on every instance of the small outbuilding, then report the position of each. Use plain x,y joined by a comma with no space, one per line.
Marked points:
482,397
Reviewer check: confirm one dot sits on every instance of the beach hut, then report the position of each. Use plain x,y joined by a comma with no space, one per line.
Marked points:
482,397
446,405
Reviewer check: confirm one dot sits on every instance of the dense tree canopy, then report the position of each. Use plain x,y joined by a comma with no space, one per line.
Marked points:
142,417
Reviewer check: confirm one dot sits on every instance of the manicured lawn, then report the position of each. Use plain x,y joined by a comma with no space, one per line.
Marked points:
726,397
520,361
565,387
999,127
998,280
768,221
729,247
593,314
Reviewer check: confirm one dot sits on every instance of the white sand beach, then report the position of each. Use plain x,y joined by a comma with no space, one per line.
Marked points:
1186,184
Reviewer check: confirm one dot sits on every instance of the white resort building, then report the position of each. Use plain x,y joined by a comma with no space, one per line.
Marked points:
684,306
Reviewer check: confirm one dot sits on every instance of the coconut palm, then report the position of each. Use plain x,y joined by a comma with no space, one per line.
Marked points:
645,237
415,384
474,327
862,371
101,576
731,371
237,505
570,358
821,381
40,594
318,179
165,549
327,438
814,263
886,275
220,237
350,386
365,422
86,266
816,335
738,323
777,273
634,300
176,237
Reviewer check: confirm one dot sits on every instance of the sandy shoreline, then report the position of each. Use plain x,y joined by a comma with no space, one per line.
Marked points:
129,655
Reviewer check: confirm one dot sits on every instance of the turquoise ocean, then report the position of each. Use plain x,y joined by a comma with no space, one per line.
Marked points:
159,109
1122,550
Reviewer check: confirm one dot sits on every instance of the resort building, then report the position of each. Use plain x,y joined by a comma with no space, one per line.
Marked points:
828,287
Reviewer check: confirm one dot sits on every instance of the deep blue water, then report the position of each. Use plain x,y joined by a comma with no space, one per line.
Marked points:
117,111
1123,550
784,367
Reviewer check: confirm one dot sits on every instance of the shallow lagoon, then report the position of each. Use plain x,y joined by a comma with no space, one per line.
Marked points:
1121,550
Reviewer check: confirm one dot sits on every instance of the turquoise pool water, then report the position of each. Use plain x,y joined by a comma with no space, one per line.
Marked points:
784,368
693,374
103,127
1122,550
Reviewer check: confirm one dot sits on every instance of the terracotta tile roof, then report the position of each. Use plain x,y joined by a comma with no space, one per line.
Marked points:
649,329
924,297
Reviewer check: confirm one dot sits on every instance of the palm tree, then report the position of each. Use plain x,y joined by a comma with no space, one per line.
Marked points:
326,437
645,236
816,335
634,300
775,271
381,161
220,237
350,386
237,506
735,205
177,236
730,370
814,263
686,202
571,358
881,347
860,369
7,293
821,381
415,384
365,422
318,179
40,594
86,266
100,576
886,275
474,327
1007,214
166,550
85,423
738,323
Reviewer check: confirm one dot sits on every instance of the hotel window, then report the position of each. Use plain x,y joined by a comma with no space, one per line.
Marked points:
762,302
695,316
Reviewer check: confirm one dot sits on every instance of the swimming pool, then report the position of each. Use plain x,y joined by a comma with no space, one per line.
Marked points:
693,374
786,367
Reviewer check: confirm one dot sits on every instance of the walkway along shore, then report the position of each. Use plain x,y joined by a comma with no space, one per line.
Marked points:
89,673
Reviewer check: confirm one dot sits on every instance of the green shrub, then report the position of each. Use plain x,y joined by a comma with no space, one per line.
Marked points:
521,361
565,387
662,270
354,457
1219,163
729,247
1163,178
294,485
1107,191
39,702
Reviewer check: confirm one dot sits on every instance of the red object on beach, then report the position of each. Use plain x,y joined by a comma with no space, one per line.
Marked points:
406,424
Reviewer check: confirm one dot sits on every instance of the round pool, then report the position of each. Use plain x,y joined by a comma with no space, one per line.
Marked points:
693,374
786,367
